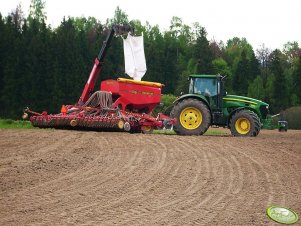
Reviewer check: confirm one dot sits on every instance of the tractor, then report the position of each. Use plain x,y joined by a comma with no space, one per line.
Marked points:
208,104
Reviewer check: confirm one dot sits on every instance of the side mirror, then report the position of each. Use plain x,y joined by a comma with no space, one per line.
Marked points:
224,77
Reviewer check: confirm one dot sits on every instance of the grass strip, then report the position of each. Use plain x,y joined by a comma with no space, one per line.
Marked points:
15,124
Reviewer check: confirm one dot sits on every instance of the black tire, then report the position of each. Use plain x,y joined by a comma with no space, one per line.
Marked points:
199,117
251,124
282,130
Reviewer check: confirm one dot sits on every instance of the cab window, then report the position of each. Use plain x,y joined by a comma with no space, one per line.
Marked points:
205,86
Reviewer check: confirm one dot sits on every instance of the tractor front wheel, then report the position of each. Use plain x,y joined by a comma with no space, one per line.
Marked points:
245,123
193,117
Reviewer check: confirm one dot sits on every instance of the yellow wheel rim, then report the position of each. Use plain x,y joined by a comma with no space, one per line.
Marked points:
73,122
147,128
242,125
120,124
191,118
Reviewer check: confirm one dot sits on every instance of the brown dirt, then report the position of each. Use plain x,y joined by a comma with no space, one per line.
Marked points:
59,177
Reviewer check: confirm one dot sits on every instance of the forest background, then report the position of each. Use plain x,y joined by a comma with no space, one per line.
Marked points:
43,67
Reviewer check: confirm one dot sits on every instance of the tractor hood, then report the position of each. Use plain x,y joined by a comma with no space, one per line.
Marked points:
242,100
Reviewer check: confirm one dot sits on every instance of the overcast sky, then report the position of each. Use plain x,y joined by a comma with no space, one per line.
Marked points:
272,22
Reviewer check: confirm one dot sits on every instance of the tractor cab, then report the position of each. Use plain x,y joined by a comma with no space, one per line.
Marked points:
211,87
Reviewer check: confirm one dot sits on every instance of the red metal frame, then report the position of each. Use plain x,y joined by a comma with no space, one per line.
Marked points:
133,101
89,87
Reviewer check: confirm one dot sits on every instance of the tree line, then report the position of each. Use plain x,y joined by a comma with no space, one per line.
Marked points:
43,67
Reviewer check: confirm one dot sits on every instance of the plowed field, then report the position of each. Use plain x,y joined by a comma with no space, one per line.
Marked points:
60,177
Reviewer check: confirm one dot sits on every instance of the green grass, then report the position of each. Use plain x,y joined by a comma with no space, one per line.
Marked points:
215,133
14,124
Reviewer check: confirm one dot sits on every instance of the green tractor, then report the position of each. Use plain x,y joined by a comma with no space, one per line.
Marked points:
207,104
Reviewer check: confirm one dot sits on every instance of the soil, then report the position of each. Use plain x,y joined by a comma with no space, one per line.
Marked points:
63,177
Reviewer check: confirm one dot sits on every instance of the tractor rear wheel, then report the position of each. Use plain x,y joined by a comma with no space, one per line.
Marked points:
245,123
193,117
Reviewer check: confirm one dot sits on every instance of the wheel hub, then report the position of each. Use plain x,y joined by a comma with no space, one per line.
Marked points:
191,118
243,125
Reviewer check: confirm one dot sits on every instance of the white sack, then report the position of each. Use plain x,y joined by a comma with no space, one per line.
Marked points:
134,58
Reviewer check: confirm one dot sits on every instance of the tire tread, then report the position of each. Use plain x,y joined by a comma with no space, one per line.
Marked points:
176,111
254,120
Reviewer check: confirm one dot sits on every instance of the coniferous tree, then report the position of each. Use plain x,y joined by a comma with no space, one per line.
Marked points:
280,93
240,77
170,60
202,52
254,68
10,90
69,61
154,54
2,58
297,80
43,67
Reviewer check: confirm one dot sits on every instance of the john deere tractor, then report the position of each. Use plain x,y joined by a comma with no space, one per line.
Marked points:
207,104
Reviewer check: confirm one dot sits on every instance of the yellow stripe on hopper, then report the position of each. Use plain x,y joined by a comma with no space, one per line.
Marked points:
154,84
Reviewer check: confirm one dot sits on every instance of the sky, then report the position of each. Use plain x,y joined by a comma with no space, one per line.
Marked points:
269,22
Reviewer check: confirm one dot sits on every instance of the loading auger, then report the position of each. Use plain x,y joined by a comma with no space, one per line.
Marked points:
122,104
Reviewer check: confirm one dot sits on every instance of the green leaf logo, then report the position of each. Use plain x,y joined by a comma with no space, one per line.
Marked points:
282,215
